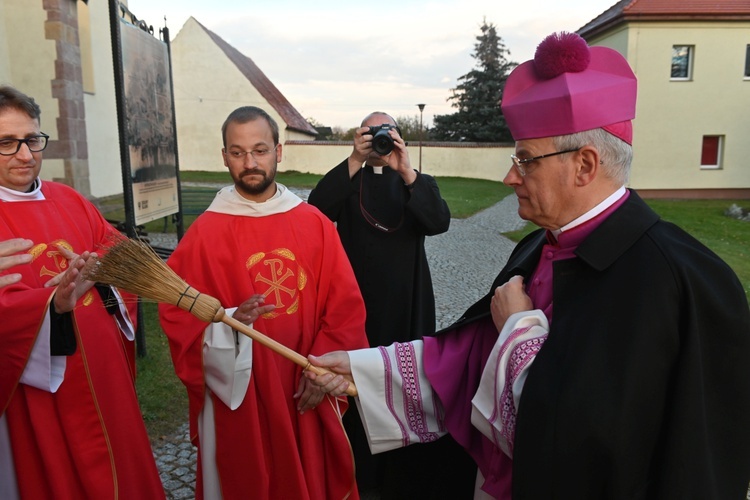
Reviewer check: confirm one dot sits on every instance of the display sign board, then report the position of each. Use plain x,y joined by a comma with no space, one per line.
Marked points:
149,124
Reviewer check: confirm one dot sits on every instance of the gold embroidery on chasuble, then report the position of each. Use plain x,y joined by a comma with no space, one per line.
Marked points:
54,262
279,277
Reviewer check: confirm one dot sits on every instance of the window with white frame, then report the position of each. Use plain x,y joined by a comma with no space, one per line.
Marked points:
682,62
747,62
711,151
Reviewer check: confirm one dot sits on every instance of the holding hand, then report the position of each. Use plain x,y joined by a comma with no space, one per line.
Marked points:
70,256
252,309
362,145
71,285
330,383
508,299
398,159
309,395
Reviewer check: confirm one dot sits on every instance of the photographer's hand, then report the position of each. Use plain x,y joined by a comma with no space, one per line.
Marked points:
361,151
399,160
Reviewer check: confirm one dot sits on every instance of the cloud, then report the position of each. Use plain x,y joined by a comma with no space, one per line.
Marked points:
337,62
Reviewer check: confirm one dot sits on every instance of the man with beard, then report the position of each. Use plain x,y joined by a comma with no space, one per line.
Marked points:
261,428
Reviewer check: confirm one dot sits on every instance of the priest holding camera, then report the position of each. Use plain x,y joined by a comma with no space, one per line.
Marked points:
384,209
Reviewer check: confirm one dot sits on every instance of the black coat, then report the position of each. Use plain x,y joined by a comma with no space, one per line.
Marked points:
391,267
642,389
394,277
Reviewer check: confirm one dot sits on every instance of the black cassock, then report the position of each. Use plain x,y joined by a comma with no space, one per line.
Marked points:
382,224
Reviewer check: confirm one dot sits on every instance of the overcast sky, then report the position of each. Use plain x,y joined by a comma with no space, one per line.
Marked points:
338,61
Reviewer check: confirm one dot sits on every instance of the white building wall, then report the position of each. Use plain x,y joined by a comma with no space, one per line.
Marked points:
489,162
673,116
4,47
30,70
105,170
207,87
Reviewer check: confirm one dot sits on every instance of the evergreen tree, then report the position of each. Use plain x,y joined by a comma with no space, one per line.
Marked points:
477,95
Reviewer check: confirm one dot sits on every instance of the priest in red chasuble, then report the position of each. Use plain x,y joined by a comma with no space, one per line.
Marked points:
70,426
262,429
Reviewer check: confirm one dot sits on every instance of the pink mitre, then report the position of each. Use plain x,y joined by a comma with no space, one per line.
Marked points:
570,87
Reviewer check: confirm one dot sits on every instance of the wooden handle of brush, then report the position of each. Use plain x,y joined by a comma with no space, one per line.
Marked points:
280,349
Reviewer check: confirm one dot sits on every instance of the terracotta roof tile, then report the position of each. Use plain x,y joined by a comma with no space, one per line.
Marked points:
689,7
667,10
293,119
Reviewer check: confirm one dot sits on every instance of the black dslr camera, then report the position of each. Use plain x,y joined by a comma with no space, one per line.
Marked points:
382,142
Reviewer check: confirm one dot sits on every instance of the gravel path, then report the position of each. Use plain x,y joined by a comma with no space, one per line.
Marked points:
464,262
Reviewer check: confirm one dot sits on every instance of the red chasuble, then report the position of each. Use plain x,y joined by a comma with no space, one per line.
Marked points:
265,448
87,440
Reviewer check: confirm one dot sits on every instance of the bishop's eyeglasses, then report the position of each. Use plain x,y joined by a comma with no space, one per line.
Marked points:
520,163
10,146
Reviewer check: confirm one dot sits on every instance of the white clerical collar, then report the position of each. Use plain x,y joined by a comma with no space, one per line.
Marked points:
229,201
601,207
375,170
13,195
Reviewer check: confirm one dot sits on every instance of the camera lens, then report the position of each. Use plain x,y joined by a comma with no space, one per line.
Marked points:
382,143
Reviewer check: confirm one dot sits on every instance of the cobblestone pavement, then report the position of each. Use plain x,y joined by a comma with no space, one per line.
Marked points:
464,261
176,459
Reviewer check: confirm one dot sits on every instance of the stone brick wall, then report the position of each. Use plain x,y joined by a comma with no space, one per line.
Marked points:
67,88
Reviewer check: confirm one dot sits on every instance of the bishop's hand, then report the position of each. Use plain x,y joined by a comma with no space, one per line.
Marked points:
335,383
508,299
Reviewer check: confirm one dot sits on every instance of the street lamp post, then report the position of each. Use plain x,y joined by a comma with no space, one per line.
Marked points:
421,108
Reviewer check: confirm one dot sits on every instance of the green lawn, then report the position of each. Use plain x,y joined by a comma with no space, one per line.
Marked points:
465,197
162,396
164,401
289,178
705,220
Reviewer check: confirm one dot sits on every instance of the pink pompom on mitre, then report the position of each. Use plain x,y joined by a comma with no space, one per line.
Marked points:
561,53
